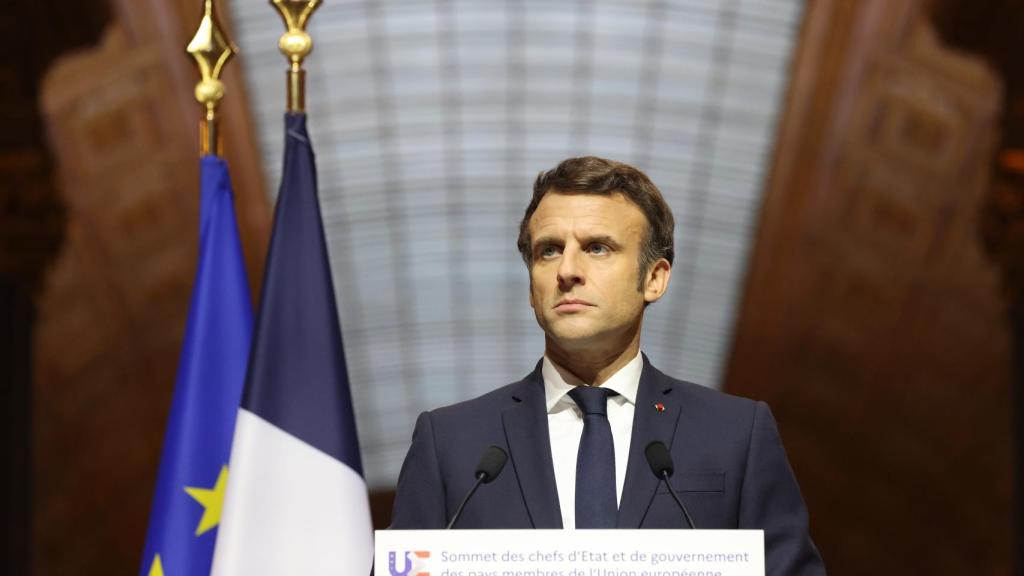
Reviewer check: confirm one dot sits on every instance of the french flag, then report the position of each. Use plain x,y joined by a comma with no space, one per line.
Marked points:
296,499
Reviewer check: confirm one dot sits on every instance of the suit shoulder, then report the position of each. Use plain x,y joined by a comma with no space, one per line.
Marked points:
717,396
486,404
710,401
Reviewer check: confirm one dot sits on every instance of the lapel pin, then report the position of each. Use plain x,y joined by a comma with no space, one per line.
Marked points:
659,406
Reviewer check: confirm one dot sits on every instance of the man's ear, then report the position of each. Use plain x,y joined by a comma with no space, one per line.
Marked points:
656,281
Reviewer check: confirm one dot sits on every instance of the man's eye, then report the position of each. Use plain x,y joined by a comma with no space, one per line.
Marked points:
548,251
598,249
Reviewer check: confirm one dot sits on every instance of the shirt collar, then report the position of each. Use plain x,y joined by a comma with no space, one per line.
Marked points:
558,381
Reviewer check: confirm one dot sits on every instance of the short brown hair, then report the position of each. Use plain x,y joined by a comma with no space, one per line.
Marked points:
593,175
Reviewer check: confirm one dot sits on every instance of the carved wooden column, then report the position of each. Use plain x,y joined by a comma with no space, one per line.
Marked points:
121,119
32,219
872,320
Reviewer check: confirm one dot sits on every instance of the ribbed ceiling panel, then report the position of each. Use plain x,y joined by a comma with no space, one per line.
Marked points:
430,121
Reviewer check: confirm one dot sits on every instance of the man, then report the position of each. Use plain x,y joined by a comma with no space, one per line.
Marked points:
597,240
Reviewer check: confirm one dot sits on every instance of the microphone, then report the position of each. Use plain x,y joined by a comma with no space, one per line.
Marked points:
660,462
491,464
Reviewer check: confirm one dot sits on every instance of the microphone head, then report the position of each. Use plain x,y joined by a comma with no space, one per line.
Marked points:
491,464
659,459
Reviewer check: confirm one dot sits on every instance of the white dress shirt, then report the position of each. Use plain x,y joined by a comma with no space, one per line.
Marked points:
565,426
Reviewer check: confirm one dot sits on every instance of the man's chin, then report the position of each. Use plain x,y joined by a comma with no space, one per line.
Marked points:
572,340
586,336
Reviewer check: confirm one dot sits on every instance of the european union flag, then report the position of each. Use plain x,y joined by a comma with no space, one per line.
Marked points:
211,373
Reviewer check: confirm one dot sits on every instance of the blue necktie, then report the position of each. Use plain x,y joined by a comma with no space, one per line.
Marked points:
596,505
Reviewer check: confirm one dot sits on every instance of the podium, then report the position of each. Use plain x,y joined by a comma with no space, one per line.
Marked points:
569,553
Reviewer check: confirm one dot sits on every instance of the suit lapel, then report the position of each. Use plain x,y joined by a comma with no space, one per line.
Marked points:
526,429
649,425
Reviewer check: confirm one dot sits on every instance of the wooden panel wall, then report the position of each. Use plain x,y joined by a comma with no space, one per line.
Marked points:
872,321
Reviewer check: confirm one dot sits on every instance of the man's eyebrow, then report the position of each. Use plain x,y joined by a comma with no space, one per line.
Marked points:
587,240
543,240
602,239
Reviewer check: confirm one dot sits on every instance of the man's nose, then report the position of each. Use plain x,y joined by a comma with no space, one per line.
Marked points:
570,269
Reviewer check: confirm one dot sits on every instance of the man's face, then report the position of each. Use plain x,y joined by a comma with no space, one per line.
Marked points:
583,281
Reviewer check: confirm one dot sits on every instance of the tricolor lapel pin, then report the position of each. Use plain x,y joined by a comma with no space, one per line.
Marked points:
659,406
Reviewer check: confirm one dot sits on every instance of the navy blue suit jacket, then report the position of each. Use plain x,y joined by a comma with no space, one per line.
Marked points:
731,470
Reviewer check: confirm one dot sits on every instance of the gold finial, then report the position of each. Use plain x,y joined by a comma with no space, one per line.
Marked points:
211,49
296,44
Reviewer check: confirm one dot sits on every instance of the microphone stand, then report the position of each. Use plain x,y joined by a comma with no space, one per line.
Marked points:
672,491
458,511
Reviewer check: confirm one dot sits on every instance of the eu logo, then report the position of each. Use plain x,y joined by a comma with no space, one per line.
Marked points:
413,563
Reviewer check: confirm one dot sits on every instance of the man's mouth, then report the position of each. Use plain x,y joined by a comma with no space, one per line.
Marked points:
572,305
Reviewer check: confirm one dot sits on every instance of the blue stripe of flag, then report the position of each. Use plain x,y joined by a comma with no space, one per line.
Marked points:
298,380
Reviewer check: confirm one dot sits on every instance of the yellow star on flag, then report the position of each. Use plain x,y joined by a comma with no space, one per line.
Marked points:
157,568
212,500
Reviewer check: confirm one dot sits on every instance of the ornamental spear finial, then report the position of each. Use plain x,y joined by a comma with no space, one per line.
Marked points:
211,48
296,44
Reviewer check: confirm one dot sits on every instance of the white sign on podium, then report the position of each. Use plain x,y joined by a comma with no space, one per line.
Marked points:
569,553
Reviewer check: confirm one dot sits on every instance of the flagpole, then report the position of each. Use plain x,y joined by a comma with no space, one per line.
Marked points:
211,48
296,44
